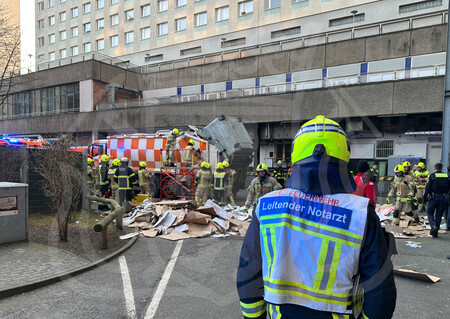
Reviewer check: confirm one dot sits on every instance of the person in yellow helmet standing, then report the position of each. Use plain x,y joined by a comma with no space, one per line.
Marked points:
261,185
408,170
188,156
91,174
202,181
144,176
229,183
420,182
310,246
219,184
103,179
402,187
114,185
171,143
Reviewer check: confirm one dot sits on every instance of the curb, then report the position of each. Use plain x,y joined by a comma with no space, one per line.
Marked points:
8,292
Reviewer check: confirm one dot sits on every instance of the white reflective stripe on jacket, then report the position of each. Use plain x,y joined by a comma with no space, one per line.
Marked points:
310,246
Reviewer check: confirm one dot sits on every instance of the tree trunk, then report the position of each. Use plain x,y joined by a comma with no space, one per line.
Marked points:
63,223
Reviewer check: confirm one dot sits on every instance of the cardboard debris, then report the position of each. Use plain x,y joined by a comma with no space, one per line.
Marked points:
150,233
130,235
416,275
175,235
197,218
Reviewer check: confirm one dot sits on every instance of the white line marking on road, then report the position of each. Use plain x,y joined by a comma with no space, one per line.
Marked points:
127,289
151,311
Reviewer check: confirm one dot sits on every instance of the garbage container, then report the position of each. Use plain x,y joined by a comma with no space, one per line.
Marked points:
13,212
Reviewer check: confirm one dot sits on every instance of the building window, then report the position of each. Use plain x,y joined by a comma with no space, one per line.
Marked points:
62,1
51,3
41,42
87,8
163,28
145,33
62,53
129,15
191,51
285,32
129,37
87,27
245,7
40,6
384,148
222,13
52,56
114,2
153,58
270,4
419,6
100,4
41,24
74,32
51,20
113,41
62,16
51,38
180,24
346,20
200,19
230,43
114,19
100,23
100,44
62,35
75,50
181,3
87,47
145,10
163,5
74,12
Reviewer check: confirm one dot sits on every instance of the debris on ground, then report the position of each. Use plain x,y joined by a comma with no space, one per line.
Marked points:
182,219
407,228
416,275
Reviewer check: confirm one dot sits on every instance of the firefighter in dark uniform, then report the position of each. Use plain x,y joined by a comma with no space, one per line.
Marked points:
437,189
279,173
103,178
301,258
126,178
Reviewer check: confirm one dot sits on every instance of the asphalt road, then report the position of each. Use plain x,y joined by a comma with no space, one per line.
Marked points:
202,284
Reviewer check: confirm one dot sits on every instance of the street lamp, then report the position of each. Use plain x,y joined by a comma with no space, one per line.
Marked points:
354,12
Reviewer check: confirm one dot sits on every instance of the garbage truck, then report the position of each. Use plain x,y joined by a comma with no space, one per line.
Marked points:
225,138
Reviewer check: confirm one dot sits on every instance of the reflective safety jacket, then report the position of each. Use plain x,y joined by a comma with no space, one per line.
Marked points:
203,178
402,187
103,173
258,188
229,178
279,174
111,173
365,188
438,184
143,176
420,179
219,180
187,156
125,177
91,175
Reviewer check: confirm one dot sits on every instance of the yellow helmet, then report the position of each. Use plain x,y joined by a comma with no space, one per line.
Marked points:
143,164
116,162
406,163
89,160
175,131
191,142
318,137
219,165
421,165
205,164
399,168
104,158
225,164
262,167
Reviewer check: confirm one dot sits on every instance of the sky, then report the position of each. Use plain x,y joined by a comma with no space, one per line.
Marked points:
27,25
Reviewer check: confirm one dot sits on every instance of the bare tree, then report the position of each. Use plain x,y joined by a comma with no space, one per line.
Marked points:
9,52
62,174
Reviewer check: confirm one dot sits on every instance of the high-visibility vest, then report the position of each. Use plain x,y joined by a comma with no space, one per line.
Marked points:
111,173
103,178
187,157
420,179
143,181
310,248
123,175
204,178
230,181
219,183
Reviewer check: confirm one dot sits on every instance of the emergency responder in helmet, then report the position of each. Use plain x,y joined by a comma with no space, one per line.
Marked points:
202,181
229,183
126,178
403,188
114,185
407,168
103,179
294,262
104,158
279,173
191,142
260,185
144,178
143,164
175,131
89,160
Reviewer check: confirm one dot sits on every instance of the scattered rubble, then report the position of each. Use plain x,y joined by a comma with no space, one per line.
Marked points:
182,219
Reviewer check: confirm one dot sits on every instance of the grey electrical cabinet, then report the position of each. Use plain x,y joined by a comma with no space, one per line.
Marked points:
13,212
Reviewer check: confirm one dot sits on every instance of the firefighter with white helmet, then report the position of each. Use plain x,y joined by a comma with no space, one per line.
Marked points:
309,246
279,173
261,185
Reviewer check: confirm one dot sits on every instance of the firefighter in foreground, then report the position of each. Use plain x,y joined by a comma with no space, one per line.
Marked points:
309,245
126,178
203,180
171,143
437,188
402,187
229,183
420,181
144,176
279,173
261,185
114,185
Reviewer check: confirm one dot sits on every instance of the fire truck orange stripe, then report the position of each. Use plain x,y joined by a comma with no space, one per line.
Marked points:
134,143
150,143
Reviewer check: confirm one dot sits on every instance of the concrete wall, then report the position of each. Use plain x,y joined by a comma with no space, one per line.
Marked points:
398,97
